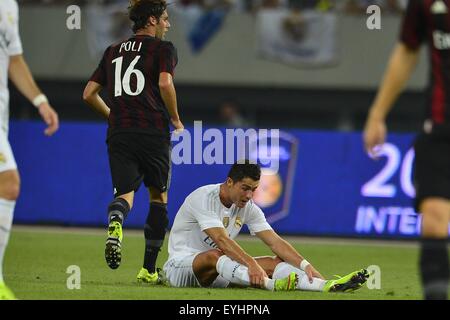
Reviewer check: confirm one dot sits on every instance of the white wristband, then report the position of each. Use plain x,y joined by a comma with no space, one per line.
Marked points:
304,264
39,99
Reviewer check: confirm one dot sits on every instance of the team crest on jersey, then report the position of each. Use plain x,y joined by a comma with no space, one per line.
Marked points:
238,222
2,158
438,7
226,221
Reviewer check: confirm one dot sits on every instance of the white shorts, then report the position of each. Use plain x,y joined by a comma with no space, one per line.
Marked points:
7,161
179,272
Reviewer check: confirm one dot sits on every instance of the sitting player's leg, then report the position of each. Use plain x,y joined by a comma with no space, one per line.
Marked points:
154,231
180,273
208,265
281,269
269,264
351,282
204,267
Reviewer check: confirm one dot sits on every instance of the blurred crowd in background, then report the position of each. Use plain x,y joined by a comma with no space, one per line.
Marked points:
298,33
347,6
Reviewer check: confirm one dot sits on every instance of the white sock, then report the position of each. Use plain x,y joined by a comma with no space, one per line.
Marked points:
6,217
283,269
237,273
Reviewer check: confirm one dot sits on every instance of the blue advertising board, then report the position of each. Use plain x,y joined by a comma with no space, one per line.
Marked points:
324,182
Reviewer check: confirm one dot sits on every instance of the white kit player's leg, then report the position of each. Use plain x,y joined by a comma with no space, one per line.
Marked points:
283,269
8,194
348,283
237,273
6,217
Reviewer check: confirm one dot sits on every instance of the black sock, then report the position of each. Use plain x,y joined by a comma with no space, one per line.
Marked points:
118,210
434,268
154,231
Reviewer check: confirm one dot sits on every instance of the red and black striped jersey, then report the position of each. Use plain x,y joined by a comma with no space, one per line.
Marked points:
130,72
429,21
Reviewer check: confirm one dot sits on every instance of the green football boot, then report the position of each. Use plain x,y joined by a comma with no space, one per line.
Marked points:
351,282
156,277
113,250
6,293
286,284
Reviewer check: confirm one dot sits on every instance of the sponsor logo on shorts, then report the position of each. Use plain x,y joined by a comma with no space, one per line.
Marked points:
2,158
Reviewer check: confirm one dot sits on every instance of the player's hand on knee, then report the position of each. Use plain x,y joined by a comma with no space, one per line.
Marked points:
50,117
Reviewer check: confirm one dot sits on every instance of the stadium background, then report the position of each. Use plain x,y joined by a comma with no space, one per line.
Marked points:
329,187
322,109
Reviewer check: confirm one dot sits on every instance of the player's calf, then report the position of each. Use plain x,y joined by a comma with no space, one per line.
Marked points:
117,212
154,231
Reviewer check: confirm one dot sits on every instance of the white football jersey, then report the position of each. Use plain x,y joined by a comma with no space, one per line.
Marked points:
10,45
202,210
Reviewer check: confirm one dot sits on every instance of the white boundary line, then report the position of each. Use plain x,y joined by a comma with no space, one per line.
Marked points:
293,239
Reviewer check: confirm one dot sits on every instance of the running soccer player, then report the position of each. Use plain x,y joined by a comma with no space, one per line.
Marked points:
137,75
425,21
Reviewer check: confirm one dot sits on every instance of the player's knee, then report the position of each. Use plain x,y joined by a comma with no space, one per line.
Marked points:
433,226
277,260
434,219
270,267
160,198
10,188
204,266
125,198
217,253
156,196
213,256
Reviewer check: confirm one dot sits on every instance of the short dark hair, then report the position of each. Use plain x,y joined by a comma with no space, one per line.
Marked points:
244,169
140,10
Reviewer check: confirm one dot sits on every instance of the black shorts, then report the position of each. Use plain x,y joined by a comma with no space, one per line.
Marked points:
432,166
135,157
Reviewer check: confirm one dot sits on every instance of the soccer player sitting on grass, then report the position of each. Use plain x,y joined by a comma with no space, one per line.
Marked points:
202,252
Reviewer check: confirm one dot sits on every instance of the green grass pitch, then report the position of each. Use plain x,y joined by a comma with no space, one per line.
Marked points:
37,259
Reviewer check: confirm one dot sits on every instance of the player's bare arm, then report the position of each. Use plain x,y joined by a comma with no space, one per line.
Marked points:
400,67
20,75
168,94
92,98
286,252
234,251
